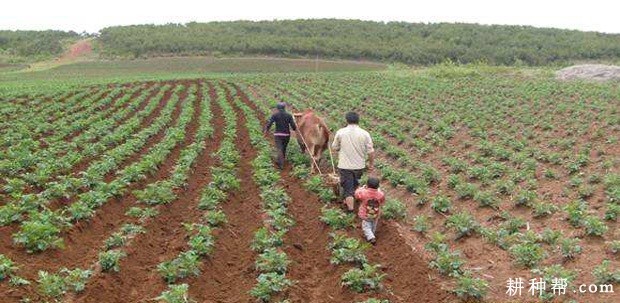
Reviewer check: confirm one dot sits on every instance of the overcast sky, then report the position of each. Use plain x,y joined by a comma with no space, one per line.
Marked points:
90,16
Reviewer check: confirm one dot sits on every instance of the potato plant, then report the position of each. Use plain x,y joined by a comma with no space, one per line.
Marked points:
175,294
527,254
184,265
272,260
269,284
336,218
471,288
110,260
365,279
345,249
7,267
463,224
393,209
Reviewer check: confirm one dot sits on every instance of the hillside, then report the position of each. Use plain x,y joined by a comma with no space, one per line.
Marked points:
410,43
20,46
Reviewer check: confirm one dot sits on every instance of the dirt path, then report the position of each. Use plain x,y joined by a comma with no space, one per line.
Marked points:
317,280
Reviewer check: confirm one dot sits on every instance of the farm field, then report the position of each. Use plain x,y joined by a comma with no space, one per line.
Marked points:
146,190
68,74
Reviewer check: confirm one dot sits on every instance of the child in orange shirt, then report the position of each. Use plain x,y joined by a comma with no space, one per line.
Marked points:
371,199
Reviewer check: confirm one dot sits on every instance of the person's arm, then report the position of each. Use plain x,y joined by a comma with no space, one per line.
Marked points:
370,150
269,123
358,193
292,122
336,142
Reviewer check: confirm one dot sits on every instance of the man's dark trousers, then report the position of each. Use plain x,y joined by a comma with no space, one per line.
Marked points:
281,144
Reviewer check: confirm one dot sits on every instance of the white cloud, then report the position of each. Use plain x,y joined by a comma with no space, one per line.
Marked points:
594,15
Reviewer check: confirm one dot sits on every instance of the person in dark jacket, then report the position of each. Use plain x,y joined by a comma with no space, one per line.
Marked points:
284,123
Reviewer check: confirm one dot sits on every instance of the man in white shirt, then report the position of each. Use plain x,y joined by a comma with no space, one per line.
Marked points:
354,146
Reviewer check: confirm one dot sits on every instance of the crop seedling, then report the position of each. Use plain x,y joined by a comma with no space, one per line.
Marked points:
269,284
513,225
315,185
18,281
570,248
216,218
453,181
272,260
393,209
155,194
76,279
542,209
279,219
200,239
604,274
466,190
176,294
7,267
525,197
441,204
51,285
612,212
576,212
40,232
117,239
448,263
345,249
437,243
555,271
485,198
132,229
109,260
614,246
527,254
468,287
594,226
211,197
421,223
463,224
336,218
185,264
365,279
263,239
142,213
551,237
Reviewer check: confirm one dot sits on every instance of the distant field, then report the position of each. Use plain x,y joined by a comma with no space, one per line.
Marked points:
95,72
8,67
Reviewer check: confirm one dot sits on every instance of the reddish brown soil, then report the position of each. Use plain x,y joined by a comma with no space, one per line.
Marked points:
82,165
228,275
79,49
408,276
85,238
138,280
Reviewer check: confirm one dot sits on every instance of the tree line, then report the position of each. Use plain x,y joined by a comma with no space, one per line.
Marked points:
34,44
410,43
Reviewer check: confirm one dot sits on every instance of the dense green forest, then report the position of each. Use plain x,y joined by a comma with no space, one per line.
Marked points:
412,43
33,44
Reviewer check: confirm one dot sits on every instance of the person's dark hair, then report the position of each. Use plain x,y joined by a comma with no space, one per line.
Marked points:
352,118
373,182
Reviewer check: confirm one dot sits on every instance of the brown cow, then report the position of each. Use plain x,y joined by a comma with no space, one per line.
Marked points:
315,134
